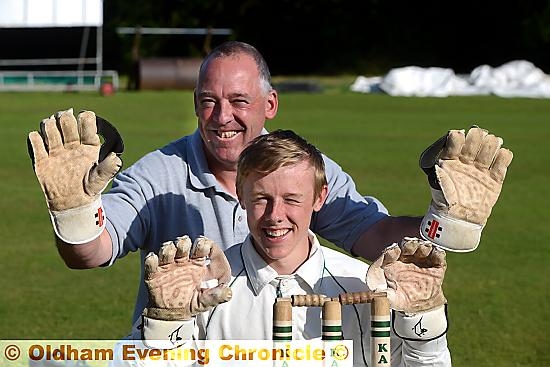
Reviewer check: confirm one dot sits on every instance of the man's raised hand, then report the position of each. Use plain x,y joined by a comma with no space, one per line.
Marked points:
66,162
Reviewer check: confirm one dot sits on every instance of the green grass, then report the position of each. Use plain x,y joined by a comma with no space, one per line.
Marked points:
498,295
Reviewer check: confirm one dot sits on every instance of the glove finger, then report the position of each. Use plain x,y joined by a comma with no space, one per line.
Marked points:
500,165
183,245
391,254
102,173
489,148
52,136
151,265
88,128
438,257
472,144
448,187
208,298
423,251
167,253
408,246
69,128
219,267
454,144
214,296
38,148
375,279
201,247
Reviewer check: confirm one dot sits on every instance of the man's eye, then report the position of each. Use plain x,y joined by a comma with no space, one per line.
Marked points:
240,102
207,103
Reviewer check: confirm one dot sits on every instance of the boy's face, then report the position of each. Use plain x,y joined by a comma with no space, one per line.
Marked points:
279,208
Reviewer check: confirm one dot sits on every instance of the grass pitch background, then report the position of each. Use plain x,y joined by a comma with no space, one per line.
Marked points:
498,295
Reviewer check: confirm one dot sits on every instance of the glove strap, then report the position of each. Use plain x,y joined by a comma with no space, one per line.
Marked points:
169,314
450,233
79,225
423,326
166,334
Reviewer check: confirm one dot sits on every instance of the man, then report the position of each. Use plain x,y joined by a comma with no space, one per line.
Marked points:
281,183
189,185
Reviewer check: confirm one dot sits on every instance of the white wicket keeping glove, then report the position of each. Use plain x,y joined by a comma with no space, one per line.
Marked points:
412,276
174,281
466,173
66,162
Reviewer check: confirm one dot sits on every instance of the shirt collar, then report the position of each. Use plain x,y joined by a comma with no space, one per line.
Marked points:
260,274
199,175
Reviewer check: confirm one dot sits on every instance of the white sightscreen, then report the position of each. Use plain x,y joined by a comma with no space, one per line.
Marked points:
50,13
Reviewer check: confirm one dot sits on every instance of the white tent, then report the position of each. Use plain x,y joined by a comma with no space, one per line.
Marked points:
518,78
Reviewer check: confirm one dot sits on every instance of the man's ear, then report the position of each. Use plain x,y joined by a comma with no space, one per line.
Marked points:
320,200
195,101
271,105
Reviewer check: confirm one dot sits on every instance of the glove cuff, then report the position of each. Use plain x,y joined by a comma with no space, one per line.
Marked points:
450,233
79,225
168,314
165,334
424,326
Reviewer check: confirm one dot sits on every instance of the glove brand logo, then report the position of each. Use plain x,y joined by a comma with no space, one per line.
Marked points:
433,229
100,218
418,329
175,337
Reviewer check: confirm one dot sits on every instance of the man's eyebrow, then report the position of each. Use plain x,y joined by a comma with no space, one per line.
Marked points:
206,94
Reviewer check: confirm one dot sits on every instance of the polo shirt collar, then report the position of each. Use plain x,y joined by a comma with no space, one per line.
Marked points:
261,274
199,174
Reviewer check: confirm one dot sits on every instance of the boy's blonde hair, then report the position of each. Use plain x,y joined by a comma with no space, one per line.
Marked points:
280,148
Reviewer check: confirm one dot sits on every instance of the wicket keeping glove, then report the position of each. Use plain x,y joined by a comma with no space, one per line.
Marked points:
412,276
175,282
66,160
466,173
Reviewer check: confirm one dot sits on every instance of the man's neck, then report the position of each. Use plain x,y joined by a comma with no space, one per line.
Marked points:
227,179
226,175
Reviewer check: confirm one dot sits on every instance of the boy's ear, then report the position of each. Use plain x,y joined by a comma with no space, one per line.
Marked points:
320,200
241,201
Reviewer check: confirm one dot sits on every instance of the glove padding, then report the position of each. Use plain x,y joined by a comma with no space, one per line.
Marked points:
466,173
411,275
66,164
174,278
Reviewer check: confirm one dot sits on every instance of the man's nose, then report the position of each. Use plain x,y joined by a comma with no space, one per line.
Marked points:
224,112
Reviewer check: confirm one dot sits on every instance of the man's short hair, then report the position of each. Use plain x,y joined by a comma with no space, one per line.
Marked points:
280,148
235,48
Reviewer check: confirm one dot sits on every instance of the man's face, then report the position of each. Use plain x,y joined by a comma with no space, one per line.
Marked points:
231,108
279,208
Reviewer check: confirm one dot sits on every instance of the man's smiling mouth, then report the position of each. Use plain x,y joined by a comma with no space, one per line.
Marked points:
226,134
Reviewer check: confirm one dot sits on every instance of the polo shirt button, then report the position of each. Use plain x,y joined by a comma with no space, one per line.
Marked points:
240,218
